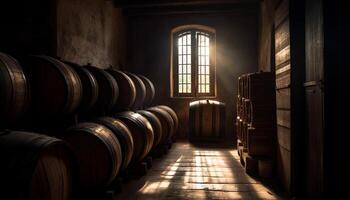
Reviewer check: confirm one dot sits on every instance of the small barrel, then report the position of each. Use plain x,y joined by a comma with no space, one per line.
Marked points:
35,166
140,91
150,91
156,125
108,91
166,122
98,154
55,87
142,134
89,86
126,89
122,132
173,115
13,89
207,120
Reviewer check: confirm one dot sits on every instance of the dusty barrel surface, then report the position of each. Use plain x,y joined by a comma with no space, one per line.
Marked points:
127,90
89,86
156,125
150,91
98,153
207,120
122,132
35,166
55,87
140,91
108,90
173,115
166,122
141,131
13,89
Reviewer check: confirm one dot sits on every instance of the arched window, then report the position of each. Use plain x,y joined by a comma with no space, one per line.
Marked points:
193,61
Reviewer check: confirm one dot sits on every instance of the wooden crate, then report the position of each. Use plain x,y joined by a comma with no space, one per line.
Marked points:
256,114
263,115
260,141
261,87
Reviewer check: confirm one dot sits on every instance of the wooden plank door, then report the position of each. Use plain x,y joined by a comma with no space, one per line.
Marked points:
283,93
314,98
290,70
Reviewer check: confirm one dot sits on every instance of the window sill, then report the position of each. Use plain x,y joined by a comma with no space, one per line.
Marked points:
199,97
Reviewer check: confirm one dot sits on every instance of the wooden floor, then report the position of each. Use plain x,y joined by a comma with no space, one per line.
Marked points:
189,172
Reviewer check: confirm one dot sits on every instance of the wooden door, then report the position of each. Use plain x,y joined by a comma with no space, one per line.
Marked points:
290,70
283,93
314,98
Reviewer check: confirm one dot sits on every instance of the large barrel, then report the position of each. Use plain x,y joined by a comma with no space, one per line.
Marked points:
207,120
55,87
122,132
109,90
126,89
13,89
142,134
156,125
173,115
140,91
98,154
89,86
166,122
35,166
150,91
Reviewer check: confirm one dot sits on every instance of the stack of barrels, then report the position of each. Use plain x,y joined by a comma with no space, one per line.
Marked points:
256,118
116,126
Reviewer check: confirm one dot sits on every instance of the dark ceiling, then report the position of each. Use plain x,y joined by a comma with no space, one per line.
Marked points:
159,7
147,3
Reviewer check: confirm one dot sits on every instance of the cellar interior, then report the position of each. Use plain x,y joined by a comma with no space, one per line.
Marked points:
173,99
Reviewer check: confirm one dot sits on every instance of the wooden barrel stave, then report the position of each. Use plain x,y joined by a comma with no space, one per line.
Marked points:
35,167
207,120
150,91
107,99
174,116
122,132
142,133
14,89
156,125
166,121
140,91
126,87
89,87
55,87
98,153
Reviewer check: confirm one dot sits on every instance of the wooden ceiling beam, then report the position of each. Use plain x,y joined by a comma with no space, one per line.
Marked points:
175,3
192,9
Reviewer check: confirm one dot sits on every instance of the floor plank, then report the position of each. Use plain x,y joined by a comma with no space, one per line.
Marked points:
190,172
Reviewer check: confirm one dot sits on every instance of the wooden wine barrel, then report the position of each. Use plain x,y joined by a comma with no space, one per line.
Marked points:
35,166
108,90
98,154
140,91
207,120
126,89
13,89
55,87
142,134
122,132
150,91
166,122
173,115
156,125
89,86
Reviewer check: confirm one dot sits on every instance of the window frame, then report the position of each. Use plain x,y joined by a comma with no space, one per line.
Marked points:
193,29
